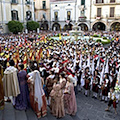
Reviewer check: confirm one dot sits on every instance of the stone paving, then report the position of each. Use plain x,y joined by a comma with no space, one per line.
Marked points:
88,109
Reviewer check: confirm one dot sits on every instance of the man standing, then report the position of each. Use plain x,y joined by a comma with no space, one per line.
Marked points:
10,81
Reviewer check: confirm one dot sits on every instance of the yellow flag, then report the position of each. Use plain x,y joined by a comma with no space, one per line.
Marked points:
60,36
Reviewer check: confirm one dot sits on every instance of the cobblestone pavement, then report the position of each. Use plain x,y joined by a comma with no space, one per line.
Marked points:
88,109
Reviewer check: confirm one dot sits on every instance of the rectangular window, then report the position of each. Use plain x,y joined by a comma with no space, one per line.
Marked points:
14,1
99,1
68,15
112,1
56,16
82,2
98,12
14,14
112,10
44,4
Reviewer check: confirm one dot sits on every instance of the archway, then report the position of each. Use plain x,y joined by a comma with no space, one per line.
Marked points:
56,27
99,26
83,26
68,27
115,26
44,26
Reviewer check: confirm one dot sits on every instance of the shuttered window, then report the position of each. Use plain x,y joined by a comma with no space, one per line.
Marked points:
98,12
112,10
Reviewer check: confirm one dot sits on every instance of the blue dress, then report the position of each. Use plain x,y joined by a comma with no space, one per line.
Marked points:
22,100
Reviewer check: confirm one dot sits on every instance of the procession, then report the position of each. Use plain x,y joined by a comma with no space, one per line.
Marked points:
37,72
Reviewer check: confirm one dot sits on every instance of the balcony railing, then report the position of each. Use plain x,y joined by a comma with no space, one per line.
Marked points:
55,20
82,19
116,17
98,17
106,2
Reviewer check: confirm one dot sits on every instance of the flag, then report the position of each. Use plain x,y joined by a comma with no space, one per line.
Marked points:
107,68
93,67
60,36
80,64
101,75
25,62
88,61
48,55
40,53
98,62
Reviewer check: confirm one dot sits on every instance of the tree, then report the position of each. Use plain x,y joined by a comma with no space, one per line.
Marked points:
32,25
15,26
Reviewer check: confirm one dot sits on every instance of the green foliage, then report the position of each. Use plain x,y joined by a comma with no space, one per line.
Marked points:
32,25
103,42
98,40
95,35
15,26
104,37
106,42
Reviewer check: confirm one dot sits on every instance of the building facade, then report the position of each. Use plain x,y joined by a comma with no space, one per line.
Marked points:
105,15
62,14
89,14
19,10
42,13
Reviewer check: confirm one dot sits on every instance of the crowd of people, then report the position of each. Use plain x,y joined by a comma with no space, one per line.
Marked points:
37,71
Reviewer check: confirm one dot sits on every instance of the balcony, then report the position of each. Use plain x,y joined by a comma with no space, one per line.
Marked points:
98,17
116,17
82,19
107,2
55,20
14,2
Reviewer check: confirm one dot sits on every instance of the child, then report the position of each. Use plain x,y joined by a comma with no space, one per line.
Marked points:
112,100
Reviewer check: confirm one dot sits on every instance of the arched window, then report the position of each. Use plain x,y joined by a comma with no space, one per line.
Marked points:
28,15
68,15
14,15
56,16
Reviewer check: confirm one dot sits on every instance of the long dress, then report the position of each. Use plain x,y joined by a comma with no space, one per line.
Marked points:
1,89
22,100
70,99
37,95
57,101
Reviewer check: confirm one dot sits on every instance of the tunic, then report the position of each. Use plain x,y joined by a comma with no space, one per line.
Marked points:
10,82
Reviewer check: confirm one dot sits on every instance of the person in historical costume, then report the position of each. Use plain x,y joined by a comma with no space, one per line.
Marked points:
49,85
1,89
57,101
95,84
69,98
105,87
112,100
37,95
87,79
10,82
22,100
62,80
113,77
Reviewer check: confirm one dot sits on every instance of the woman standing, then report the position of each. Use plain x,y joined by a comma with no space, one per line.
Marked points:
69,98
1,89
37,95
57,101
22,100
